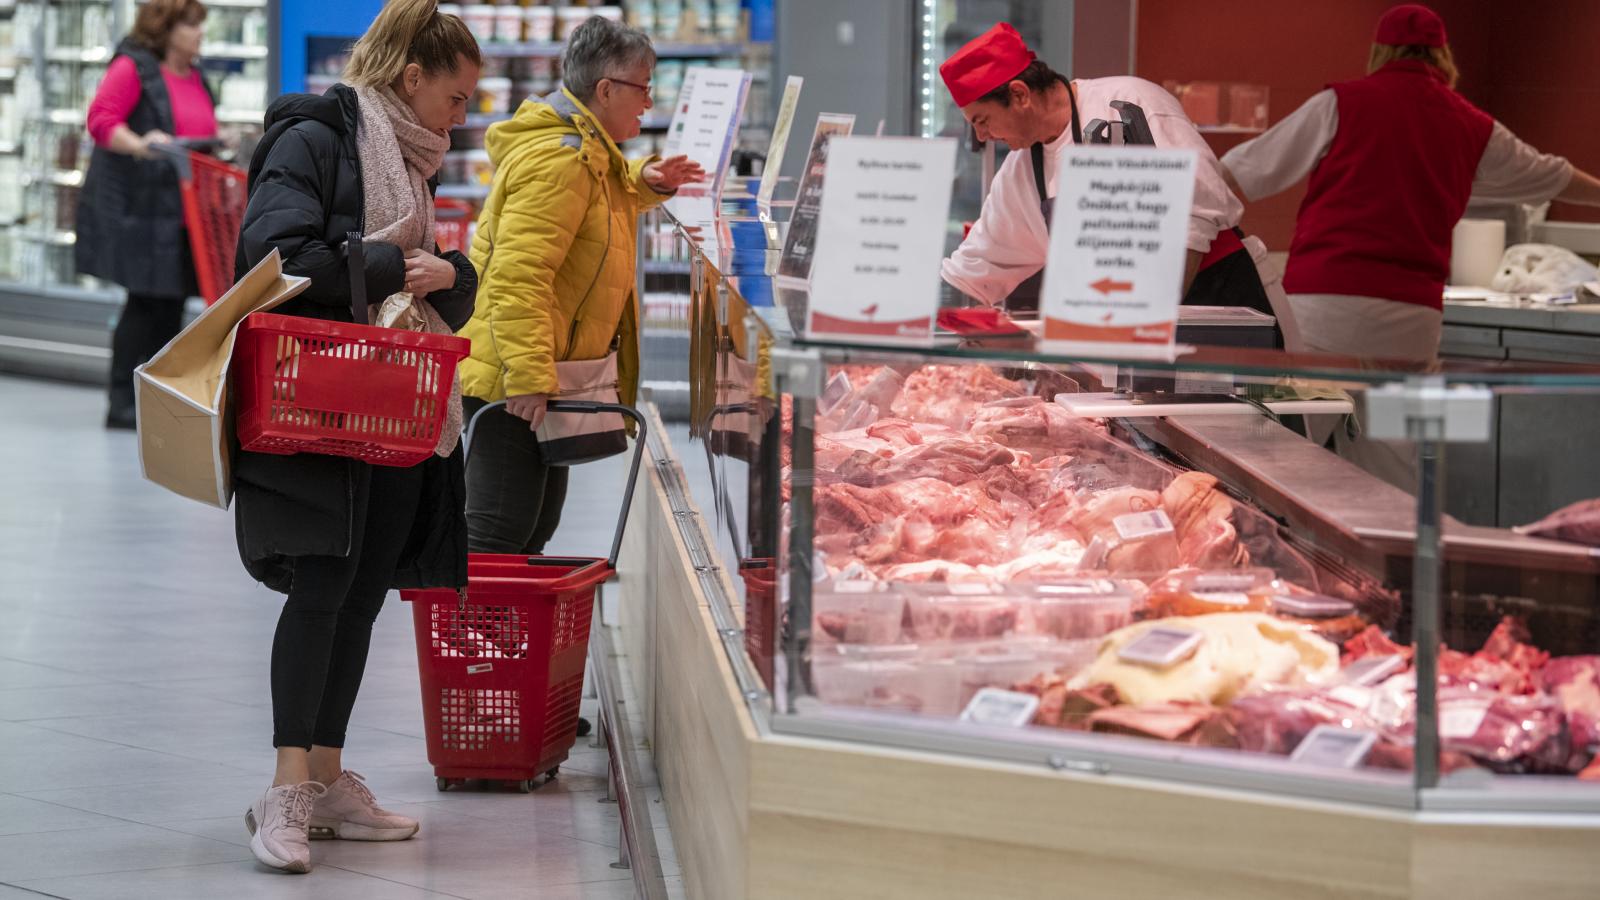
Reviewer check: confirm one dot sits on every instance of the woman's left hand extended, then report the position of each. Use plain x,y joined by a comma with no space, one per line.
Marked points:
667,175
426,273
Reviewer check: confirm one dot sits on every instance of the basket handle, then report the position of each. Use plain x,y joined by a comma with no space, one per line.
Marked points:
357,261
588,407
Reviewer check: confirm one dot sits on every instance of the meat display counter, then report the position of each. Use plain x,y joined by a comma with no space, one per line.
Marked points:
944,578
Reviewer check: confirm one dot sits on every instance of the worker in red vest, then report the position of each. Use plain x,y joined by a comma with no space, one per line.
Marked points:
1009,95
1393,158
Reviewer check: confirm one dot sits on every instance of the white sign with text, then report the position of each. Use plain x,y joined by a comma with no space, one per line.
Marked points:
1118,243
880,236
705,123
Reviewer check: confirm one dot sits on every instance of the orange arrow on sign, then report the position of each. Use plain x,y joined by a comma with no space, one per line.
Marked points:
1107,286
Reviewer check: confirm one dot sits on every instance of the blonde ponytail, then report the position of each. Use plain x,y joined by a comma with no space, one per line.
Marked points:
405,32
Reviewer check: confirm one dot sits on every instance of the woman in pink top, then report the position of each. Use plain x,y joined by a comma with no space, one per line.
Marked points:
130,214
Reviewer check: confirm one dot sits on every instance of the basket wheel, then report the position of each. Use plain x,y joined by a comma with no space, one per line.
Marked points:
442,783
525,786
553,773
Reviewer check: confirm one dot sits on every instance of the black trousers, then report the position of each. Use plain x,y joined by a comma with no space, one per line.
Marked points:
143,328
320,650
514,500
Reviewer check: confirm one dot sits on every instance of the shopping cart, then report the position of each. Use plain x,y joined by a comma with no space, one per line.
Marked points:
214,197
502,662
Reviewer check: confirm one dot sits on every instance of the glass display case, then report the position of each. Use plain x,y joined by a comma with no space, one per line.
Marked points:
1228,569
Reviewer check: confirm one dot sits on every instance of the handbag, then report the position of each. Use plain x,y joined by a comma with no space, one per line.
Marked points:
569,439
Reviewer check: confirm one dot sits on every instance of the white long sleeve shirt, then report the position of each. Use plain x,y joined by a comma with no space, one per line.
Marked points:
1509,172
1010,240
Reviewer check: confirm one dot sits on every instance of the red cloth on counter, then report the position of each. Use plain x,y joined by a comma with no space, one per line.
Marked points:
192,113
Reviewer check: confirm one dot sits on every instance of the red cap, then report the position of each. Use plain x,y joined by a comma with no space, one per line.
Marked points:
985,63
1410,24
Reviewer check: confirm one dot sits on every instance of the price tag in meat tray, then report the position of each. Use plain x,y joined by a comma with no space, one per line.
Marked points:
1334,747
1118,244
1142,525
1007,709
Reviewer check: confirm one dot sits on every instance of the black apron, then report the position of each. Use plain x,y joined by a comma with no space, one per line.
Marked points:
1230,281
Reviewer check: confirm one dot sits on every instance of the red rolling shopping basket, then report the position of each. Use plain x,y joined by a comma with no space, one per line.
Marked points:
502,663
214,198
312,386
760,614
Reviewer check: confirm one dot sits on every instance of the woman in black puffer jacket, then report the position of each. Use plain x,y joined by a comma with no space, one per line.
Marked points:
336,534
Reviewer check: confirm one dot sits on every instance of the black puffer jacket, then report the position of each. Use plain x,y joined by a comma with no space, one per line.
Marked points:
130,214
305,197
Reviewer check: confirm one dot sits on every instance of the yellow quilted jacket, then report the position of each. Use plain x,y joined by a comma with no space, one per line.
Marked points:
555,251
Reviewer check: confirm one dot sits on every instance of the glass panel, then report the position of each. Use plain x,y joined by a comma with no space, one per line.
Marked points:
1202,569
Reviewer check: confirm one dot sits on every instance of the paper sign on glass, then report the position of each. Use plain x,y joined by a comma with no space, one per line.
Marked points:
880,236
1118,244
780,141
800,243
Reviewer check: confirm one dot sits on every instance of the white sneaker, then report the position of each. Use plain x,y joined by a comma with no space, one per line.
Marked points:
278,822
349,812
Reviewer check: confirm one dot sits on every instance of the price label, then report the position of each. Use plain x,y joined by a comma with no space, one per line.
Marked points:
1313,607
1162,647
996,707
800,243
1460,721
1224,581
1141,525
1372,670
1223,598
1334,747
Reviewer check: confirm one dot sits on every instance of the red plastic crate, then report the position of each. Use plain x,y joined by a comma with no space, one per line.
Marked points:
502,671
311,386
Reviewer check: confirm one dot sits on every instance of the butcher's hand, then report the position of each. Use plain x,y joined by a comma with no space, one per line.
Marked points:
667,175
426,273
528,407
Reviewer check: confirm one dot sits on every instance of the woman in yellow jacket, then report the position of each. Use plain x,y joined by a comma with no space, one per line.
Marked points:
555,254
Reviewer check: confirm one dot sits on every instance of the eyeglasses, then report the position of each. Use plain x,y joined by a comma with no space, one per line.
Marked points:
632,84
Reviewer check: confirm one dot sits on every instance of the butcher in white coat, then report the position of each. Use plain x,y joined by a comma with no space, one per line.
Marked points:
1008,95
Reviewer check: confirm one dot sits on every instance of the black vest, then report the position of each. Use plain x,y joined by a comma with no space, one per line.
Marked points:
130,214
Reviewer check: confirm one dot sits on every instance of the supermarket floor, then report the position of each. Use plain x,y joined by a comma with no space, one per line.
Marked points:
135,721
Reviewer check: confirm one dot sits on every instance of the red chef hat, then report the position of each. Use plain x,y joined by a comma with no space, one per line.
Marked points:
985,63
1410,24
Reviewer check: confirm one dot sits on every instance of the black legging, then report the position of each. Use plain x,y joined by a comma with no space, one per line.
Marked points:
514,500
320,649
143,328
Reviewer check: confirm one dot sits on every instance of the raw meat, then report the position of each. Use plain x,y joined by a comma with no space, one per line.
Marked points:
933,570
946,618
950,395
1030,423
1202,517
1574,681
1181,722
1373,642
1578,524
950,461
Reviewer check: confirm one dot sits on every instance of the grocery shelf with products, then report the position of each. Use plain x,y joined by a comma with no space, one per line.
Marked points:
52,59
1056,596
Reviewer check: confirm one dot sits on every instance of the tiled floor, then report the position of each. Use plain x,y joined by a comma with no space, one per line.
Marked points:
135,721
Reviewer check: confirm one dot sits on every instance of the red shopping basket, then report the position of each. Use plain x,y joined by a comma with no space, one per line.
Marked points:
312,386
214,198
760,614
502,663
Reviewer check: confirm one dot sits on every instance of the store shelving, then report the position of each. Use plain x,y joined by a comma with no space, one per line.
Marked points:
664,50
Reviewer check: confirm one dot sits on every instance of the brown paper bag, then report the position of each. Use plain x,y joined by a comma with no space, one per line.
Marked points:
185,425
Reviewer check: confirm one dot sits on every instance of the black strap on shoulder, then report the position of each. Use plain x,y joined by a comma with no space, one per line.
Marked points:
1037,150
356,260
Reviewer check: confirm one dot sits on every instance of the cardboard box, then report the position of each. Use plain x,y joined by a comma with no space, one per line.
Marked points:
186,441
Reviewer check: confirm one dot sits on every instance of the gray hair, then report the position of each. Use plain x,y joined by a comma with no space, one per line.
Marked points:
601,48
